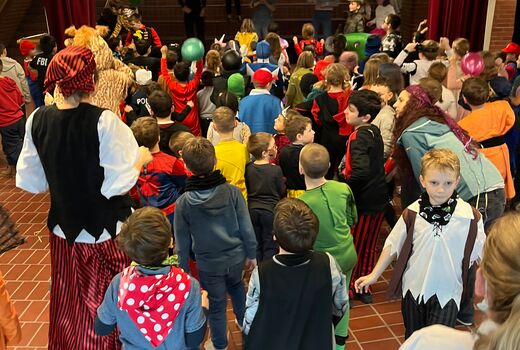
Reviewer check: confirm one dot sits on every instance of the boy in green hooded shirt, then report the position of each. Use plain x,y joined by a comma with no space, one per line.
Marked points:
333,204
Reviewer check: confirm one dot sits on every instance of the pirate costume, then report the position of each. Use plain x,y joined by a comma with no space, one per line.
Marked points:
435,245
84,156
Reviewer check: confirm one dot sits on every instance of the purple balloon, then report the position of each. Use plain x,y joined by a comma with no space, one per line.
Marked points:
472,64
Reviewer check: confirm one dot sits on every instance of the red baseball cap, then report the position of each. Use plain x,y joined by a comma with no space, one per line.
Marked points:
512,48
263,76
26,46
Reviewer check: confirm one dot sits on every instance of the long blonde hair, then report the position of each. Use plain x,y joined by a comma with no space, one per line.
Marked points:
501,268
305,60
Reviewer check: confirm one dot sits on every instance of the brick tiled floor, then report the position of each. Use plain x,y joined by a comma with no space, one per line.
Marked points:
27,274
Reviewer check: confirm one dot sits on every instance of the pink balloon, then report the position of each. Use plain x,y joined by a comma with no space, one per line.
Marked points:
472,64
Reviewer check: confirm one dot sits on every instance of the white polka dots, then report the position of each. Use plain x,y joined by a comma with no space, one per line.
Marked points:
178,278
159,296
182,286
171,297
160,337
165,288
157,327
144,331
160,308
169,324
147,314
144,289
186,295
130,301
146,307
141,303
159,276
131,287
176,306
164,316
140,320
148,338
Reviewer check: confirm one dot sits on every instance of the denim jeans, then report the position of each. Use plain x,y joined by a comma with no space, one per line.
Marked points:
322,22
217,284
12,140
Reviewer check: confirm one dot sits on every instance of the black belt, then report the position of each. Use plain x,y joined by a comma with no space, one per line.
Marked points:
493,142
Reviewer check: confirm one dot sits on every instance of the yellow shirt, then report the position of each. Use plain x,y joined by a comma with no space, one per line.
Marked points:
232,157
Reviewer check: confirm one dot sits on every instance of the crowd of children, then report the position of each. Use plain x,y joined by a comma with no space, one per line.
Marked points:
231,135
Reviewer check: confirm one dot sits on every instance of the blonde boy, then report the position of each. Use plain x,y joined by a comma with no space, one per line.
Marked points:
333,204
232,156
435,241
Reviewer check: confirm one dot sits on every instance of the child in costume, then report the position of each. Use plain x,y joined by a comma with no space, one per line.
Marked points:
141,32
487,124
183,90
364,173
260,108
232,156
355,22
333,204
435,241
247,36
155,304
28,51
163,179
293,298
308,42
328,111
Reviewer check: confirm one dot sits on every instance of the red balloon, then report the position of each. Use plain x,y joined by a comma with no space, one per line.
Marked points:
472,64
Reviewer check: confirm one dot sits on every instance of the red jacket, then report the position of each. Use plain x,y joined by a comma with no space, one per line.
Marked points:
182,93
318,46
11,100
155,36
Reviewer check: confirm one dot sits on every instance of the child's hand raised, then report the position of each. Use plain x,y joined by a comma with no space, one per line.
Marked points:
295,39
164,51
444,43
362,283
190,103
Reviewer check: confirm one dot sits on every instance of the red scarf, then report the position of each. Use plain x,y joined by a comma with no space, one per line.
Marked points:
153,301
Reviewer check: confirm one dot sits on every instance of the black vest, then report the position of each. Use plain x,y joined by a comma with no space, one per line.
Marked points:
295,307
67,142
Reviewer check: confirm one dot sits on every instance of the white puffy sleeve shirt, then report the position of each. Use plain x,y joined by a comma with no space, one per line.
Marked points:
435,265
118,152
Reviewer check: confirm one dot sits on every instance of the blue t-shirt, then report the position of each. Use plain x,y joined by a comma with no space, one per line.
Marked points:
190,318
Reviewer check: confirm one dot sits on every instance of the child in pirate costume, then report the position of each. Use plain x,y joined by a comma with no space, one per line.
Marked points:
436,240
154,304
88,160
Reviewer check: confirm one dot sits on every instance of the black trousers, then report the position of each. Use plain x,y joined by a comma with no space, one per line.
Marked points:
229,9
417,315
467,311
12,140
194,25
262,221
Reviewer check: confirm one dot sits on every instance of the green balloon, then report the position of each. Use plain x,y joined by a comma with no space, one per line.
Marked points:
192,49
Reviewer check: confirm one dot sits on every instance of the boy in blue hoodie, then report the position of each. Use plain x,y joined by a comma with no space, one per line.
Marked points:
212,219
